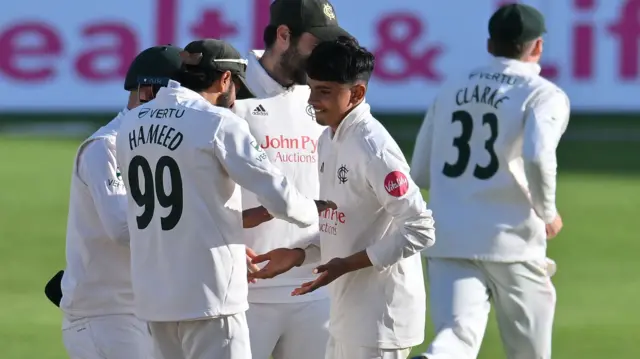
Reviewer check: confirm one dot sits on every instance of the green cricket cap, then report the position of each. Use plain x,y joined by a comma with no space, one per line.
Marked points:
316,17
516,23
153,66
218,55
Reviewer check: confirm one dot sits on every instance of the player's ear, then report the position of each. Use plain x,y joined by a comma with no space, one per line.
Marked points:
225,81
283,37
357,92
537,47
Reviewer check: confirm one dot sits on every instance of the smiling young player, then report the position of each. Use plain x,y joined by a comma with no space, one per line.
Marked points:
370,245
282,326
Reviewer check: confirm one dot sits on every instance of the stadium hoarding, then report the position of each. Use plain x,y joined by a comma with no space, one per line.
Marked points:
57,58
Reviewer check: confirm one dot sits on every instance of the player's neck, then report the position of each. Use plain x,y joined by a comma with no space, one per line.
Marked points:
271,64
334,128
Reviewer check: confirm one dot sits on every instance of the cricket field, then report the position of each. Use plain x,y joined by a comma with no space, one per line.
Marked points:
598,279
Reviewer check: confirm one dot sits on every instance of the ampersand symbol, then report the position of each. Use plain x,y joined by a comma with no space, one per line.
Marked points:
414,63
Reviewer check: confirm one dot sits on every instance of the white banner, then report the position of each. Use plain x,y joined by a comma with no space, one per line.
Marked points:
72,55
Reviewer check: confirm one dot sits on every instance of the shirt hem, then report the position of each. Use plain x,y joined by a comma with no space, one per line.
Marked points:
205,314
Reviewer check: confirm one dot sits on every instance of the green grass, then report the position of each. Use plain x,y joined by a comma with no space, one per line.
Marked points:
598,281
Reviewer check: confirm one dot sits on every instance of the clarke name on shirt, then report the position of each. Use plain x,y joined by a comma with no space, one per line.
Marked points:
485,94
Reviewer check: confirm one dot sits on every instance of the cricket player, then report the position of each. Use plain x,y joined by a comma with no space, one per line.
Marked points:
97,297
486,152
283,326
182,156
370,245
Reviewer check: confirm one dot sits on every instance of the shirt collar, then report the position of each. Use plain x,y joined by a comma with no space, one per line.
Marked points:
356,115
527,67
174,89
259,80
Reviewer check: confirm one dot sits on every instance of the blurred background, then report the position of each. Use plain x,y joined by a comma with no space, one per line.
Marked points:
62,66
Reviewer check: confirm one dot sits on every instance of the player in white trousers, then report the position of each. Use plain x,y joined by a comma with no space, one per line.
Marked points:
97,297
370,245
486,152
282,326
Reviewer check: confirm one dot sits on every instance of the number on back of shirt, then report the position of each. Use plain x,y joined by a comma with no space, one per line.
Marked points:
154,187
457,169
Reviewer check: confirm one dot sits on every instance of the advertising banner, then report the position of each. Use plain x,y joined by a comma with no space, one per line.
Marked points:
72,55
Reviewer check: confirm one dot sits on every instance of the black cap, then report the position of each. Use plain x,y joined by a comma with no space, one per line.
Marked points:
218,55
153,66
316,17
516,23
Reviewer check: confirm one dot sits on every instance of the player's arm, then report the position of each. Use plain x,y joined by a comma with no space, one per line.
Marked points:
421,160
545,123
97,168
248,165
412,229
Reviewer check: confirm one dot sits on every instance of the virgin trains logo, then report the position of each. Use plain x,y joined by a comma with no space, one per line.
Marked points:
396,184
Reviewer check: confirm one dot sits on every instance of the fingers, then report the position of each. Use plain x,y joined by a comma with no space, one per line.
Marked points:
309,287
264,273
320,269
261,258
251,253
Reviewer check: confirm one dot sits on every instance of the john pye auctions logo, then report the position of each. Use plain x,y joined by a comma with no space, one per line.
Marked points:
330,219
299,149
396,184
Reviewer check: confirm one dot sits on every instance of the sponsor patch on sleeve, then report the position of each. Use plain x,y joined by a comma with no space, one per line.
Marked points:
396,184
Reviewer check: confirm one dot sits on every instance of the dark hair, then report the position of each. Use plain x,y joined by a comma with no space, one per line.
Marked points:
510,50
195,78
343,61
271,33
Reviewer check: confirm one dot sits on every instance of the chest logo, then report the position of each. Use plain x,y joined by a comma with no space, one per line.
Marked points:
342,174
260,111
311,112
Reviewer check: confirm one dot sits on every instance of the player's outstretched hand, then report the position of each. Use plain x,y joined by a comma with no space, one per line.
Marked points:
329,272
554,227
251,268
280,261
254,217
323,205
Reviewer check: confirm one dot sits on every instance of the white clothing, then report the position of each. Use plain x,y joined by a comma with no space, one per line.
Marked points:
288,133
486,152
380,211
460,294
97,278
225,337
343,349
289,330
182,160
108,337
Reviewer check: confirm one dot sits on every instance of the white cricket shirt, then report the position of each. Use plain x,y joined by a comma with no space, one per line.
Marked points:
380,210
97,278
486,152
182,160
283,123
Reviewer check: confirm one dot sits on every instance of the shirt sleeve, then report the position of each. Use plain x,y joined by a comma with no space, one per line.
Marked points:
412,229
98,170
248,165
421,160
545,124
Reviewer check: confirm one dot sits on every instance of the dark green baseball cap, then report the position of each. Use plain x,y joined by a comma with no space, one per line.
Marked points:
218,55
153,66
516,23
316,17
